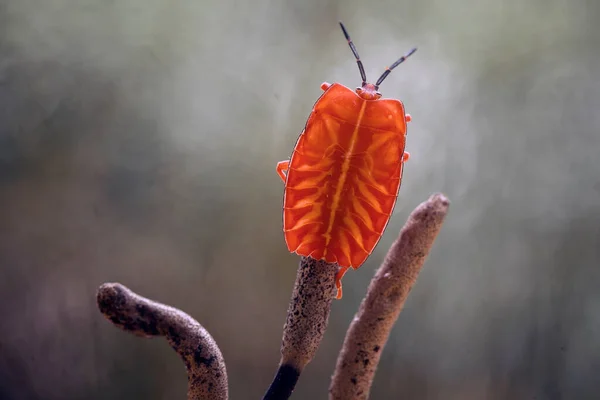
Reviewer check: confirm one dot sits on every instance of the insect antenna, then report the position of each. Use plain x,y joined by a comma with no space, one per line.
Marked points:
353,48
394,65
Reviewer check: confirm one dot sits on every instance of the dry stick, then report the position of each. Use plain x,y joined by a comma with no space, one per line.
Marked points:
307,318
207,377
385,298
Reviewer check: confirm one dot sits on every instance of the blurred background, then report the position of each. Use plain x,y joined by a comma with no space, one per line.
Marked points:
138,144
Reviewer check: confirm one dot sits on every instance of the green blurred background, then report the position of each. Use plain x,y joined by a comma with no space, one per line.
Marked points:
138,143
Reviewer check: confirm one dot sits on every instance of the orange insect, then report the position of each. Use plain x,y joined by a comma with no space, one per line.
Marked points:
343,178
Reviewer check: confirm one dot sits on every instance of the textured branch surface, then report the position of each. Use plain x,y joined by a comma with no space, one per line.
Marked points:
387,292
307,319
207,377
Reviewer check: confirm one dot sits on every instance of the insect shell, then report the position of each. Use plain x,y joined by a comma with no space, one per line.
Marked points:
343,178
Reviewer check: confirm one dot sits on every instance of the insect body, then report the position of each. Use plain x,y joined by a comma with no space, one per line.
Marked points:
342,180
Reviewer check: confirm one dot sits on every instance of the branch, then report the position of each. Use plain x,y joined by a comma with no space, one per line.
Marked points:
207,376
387,292
307,319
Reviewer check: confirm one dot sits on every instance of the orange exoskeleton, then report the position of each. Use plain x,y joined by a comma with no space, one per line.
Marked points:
343,178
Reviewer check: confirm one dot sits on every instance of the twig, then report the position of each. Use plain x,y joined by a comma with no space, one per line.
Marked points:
387,292
307,319
207,376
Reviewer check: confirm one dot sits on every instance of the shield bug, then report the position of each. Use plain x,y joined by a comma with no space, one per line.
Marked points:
343,177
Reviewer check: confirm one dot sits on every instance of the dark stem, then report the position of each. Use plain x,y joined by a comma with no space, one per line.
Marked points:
284,383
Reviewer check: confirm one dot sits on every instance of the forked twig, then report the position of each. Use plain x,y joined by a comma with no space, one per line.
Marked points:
207,376
387,292
307,318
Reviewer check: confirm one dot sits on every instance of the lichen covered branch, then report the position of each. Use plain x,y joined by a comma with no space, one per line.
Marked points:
307,319
207,376
387,292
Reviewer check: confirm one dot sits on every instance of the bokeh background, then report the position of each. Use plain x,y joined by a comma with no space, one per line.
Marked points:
138,143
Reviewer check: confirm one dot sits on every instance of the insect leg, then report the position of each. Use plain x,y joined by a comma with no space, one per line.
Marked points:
325,85
338,281
408,118
405,156
282,168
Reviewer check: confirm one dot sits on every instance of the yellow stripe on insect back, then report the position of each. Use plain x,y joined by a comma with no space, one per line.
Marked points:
343,175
